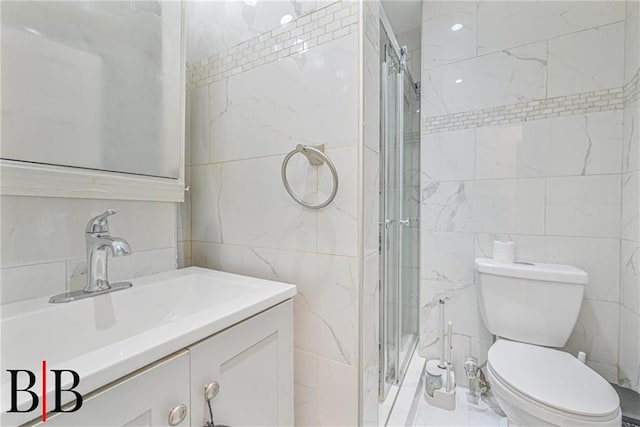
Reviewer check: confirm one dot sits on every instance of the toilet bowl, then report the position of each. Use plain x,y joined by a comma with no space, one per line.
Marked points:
539,386
531,308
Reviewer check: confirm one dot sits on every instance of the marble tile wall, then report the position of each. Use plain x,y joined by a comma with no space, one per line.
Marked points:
43,246
523,113
629,359
243,119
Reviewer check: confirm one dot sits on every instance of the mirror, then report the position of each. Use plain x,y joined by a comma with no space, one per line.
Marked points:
94,85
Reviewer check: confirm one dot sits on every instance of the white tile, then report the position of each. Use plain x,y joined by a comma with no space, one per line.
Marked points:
305,377
40,230
632,46
205,203
440,44
469,411
505,77
629,349
337,405
448,156
184,255
461,308
504,206
596,332
630,218
631,141
447,257
598,257
31,281
371,107
250,118
581,145
630,275
121,268
338,222
217,256
586,61
326,304
255,186
198,123
583,206
217,26
502,25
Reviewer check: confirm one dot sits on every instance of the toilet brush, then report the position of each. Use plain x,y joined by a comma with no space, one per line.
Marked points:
439,376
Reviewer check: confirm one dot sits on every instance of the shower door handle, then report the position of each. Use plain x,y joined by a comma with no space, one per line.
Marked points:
410,222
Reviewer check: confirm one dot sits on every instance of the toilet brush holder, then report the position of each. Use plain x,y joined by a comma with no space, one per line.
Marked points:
439,389
445,396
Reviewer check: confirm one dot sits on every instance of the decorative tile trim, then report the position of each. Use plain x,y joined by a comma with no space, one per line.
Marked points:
560,106
321,26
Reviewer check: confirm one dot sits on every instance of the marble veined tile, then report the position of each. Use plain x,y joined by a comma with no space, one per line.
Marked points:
448,32
630,218
215,26
505,77
267,110
586,61
630,275
448,156
586,206
629,349
502,25
596,332
583,144
501,206
38,229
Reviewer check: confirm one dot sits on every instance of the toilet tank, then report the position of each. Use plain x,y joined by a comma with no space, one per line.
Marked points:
530,302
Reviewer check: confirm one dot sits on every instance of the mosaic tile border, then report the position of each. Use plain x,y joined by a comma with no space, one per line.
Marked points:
587,102
321,26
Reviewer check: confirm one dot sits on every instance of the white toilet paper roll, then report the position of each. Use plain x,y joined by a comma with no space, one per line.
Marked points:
503,251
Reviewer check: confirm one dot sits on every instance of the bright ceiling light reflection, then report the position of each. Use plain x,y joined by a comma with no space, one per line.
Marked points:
458,81
456,27
286,19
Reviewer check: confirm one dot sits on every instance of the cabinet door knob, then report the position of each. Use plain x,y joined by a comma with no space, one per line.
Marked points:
211,390
177,414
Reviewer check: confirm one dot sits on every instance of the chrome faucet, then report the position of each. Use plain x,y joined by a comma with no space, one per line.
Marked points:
99,245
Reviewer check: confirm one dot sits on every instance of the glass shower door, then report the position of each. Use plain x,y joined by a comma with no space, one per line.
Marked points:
399,212
390,198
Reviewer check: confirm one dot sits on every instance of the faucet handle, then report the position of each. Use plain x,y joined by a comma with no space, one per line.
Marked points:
100,224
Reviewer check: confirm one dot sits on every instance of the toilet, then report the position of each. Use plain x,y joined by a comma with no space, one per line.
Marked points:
532,308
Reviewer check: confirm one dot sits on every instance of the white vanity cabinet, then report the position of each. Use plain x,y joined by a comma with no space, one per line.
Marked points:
252,363
142,400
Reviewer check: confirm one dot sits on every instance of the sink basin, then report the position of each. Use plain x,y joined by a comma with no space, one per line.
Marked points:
106,337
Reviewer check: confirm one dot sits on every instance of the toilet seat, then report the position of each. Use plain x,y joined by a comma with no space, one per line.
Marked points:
553,380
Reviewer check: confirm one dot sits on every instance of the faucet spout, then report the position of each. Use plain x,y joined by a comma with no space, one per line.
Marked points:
99,245
118,246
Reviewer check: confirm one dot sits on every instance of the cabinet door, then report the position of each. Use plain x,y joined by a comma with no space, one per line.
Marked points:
253,364
145,399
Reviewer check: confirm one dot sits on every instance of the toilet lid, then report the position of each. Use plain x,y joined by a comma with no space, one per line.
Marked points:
552,377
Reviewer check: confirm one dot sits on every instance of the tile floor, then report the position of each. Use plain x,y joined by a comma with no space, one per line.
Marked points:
411,409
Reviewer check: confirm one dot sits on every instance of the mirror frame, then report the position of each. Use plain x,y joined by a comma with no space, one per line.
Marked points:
21,178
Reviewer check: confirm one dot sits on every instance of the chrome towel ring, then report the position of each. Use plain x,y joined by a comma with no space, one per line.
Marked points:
316,157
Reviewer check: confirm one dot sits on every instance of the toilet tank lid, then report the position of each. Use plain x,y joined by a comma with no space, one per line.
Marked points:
533,271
